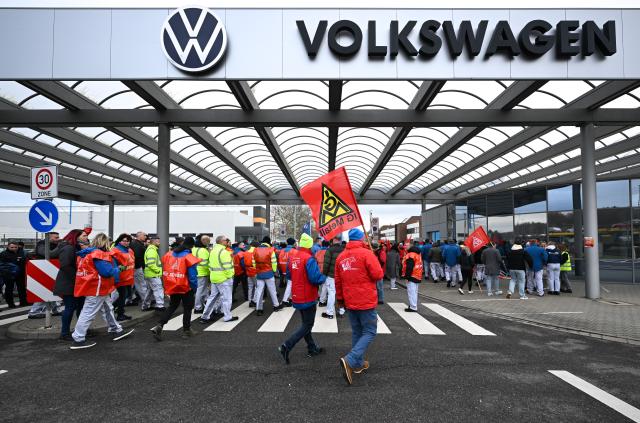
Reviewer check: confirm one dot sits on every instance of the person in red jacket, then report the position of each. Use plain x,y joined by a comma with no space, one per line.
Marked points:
305,276
357,271
126,260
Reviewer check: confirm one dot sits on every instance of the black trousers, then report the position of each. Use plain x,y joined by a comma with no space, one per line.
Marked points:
188,301
123,293
242,281
9,282
467,278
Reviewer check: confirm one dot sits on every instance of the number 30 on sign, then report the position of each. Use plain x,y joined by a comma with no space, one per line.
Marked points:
44,182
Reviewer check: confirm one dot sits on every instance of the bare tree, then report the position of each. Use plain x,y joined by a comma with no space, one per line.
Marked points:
290,217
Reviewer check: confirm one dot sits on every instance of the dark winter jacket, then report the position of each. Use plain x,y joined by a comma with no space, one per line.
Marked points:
466,261
329,265
492,261
66,279
435,255
138,251
393,265
518,259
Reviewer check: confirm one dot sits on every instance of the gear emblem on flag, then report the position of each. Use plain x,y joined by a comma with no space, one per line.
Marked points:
332,206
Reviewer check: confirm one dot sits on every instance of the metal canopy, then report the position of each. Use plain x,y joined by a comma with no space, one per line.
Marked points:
244,142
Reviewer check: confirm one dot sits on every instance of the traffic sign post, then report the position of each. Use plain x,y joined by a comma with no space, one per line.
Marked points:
44,182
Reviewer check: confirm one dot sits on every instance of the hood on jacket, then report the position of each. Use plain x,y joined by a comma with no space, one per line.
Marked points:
551,247
414,249
305,241
355,244
84,252
516,247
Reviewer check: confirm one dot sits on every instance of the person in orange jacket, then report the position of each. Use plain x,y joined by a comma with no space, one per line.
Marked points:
96,278
126,259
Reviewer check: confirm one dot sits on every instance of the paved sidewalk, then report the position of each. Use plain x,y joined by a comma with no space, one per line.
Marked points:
34,328
616,316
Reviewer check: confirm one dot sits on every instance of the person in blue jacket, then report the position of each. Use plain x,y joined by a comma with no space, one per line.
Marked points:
554,258
424,252
451,255
539,259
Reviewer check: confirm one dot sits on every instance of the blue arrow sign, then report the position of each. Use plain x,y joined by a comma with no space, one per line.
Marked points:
43,216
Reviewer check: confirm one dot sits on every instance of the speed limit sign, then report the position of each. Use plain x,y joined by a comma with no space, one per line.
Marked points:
44,182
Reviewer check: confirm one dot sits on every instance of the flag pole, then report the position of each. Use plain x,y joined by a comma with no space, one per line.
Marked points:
357,209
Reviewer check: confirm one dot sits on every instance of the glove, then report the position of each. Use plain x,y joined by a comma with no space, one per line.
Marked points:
340,303
122,268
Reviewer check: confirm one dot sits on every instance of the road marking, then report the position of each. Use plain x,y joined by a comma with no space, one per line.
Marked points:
10,320
322,325
277,322
549,312
416,321
382,327
605,290
606,398
3,371
461,322
13,310
176,322
242,311
498,299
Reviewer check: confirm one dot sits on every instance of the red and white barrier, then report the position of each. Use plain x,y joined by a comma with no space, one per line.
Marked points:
41,278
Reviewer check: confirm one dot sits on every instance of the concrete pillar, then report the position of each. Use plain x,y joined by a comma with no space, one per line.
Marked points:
112,208
590,211
268,217
164,144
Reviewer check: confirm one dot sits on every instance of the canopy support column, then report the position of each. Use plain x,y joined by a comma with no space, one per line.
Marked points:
164,171
112,207
268,217
590,212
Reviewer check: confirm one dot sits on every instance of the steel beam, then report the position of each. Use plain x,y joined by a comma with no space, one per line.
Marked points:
164,151
615,167
335,100
112,212
77,103
591,100
423,98
160,100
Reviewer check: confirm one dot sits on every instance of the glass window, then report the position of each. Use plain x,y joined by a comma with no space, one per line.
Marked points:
635,224
613,194
635,193
561,228
530,201
501,231
614,233
560,198
530,226
477,212
461,210
462,229
500,204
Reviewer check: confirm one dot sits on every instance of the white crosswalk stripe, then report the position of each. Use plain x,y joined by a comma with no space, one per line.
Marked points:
461,322
277,322
322,325
242,311
10,320
13,310
415,320
382,327
176,322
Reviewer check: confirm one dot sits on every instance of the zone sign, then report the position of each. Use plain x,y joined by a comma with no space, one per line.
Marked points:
44,182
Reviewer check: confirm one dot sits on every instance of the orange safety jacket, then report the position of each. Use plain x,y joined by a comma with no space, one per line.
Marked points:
89,283
174,272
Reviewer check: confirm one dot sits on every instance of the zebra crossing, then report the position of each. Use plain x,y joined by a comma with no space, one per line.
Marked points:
278,322
12,315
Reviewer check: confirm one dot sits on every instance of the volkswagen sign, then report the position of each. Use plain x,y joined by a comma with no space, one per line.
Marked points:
193,39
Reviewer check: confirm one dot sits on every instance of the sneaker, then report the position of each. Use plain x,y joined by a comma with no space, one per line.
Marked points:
66,338
365,366
123,317
489,294
157,332
470,292
121,335
460,291
32,316
346,371
393,288
321,304
380,302
448,284
499,293
188,333
259,312
233,319
327,316
286,304
205,321
82,345
540,295
196,311
524,297
284,352
508,295
410,310
317,351
252,304
159,309
278,307
147,309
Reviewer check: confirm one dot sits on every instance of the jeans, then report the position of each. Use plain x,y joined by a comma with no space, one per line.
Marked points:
553,270
308,316
517,276
364,327
187,300
71,304
492,280
380,288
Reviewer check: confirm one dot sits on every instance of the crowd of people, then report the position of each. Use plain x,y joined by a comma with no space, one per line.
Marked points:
345,278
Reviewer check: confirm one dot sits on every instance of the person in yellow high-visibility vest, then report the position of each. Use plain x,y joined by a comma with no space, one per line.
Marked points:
565,268
221,276
152,275
201,251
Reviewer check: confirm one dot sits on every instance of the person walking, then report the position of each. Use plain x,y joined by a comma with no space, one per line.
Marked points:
180,277
319,256
139,246
10,262
221,276
538,260
517,261
239,273
565,269
283,260
492,261
554,260
201,251
126,261
356,274
250,268
451,255
424,252
412,269
96,278
329,270
435,262
379,252
393,266
152,274
305,276
466,267
66,252
266,264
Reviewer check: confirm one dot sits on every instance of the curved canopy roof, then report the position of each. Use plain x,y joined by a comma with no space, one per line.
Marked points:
218,164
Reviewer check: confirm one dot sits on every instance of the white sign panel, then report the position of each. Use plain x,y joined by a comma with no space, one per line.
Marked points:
44,182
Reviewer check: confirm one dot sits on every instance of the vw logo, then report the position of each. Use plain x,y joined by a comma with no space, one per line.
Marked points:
193,39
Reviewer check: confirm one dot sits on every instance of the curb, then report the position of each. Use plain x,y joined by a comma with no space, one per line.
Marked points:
566,329
14,331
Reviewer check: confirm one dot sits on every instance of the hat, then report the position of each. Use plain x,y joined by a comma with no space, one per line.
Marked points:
189,242
291,241
355,234
305,241
266,240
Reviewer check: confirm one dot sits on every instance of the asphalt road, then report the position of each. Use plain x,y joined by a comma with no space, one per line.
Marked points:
239,376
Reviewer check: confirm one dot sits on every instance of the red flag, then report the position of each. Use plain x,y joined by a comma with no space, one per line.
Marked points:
333,205
477,239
